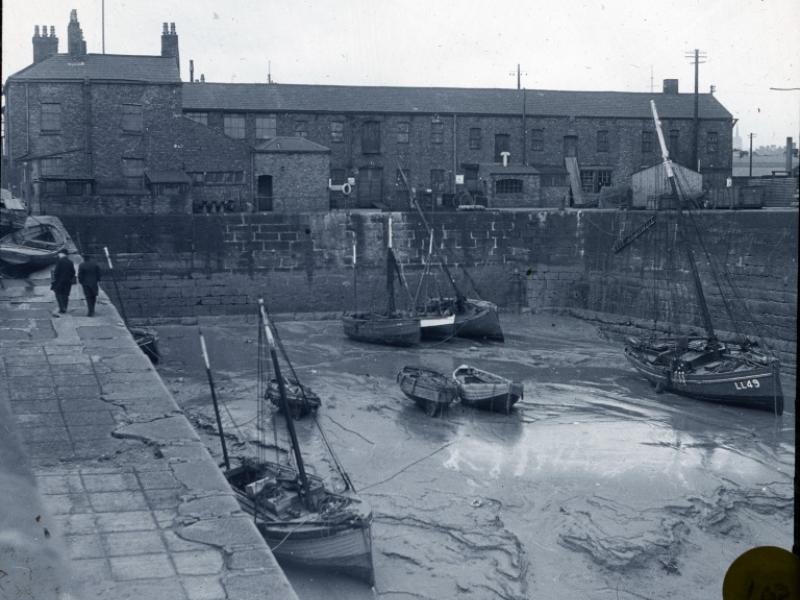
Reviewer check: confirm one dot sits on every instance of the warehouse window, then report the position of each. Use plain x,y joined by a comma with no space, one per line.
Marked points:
674,137
52,166
132,118
475,138
301,128
502,143
437,180
437,132
133,170
266,127
712,142
508,186
403,130
51,117
647,142
593,180
602,140
198,117
537,140
337,131
371,138
234,126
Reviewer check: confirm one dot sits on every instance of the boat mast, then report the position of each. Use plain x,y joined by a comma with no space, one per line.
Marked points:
214,400
701,298
460,297
284,404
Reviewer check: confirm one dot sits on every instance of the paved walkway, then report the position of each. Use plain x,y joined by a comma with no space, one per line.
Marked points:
111,494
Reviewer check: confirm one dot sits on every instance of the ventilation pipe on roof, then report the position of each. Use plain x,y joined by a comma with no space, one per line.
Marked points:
505,156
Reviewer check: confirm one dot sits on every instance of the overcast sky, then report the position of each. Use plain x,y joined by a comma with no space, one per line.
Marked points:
751,45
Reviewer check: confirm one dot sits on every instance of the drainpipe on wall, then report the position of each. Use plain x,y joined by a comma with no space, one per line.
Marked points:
524,129
87,100
455,151
27,123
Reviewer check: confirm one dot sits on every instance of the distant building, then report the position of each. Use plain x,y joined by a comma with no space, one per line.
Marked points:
105,131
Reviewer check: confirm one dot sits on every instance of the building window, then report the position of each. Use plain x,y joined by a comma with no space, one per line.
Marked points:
508,186
502,143
51,117
133,170
52,167
403,130
301,128
594,180
338,176
337,131
266,127
647,142
602,140
132,118
474,138
75,188
437,132
712,142
537,140
437,180
234,126
371,138
674,136
198,117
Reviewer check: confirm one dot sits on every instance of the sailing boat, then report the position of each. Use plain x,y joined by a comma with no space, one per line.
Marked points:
393,327
302,521
477,319
705,367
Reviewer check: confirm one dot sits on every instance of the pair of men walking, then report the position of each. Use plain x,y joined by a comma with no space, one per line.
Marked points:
64,278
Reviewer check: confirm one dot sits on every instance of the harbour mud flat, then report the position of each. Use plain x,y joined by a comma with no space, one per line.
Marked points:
595,486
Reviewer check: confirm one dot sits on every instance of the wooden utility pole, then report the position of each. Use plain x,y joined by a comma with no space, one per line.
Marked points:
697,58
750,155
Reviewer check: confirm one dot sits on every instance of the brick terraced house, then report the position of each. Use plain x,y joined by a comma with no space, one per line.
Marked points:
84,130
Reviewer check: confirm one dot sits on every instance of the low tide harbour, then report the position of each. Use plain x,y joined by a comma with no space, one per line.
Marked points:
595,486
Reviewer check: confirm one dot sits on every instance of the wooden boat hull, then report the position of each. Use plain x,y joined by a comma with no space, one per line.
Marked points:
339,544
751,386
477,319
302,401
147,340
492,392
378,329
432,391
434,327
34,246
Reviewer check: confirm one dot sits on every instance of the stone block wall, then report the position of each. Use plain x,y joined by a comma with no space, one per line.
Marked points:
183,266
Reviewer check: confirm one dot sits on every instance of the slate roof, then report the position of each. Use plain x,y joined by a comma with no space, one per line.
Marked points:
290,144
111,67
428,100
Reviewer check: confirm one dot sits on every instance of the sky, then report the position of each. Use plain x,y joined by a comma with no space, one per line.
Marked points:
623,45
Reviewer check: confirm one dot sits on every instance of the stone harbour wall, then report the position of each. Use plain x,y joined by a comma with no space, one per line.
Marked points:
193,265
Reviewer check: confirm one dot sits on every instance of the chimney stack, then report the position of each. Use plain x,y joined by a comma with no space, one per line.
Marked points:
169,44
202,77
789,148
191,71
44,46
671,86
76,46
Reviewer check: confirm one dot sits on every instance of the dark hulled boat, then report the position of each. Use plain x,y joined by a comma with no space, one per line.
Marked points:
705,368
486,391
302,401
471,318
432,391
147,340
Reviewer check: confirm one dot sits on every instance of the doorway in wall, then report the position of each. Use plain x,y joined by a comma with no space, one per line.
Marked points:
264,193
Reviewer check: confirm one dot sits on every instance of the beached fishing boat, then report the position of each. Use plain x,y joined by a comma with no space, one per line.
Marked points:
432,391
704,367
13,213
487,391
302,401
34,246
147,340
391,327
303,521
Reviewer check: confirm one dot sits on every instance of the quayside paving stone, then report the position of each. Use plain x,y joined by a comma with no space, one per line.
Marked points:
129,490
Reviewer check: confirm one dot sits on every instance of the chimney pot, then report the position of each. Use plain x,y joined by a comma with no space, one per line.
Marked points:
202,77
165,30
35,31
52,31
172,28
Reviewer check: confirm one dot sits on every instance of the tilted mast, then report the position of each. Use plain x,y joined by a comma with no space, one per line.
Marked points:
709,327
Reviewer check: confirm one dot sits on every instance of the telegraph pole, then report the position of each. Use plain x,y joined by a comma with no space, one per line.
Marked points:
519,75
752,135
697,58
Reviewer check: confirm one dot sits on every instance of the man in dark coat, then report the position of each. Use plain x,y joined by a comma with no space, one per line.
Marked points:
61,284
89,278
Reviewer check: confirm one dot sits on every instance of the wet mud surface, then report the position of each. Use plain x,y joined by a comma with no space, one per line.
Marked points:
594,487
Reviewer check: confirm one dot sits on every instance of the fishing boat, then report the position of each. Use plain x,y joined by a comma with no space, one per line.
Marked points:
391,327
431,390
147,340
303,521
302,401
487,391
34,246
13,213
737,373
471,318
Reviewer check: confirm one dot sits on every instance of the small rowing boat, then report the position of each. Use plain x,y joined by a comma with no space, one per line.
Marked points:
34,246
432,391
487,391
302,401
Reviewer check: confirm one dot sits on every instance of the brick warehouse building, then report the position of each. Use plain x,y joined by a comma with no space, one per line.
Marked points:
111,133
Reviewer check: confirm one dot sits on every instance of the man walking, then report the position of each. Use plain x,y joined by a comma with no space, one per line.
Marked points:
89,278
63,275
